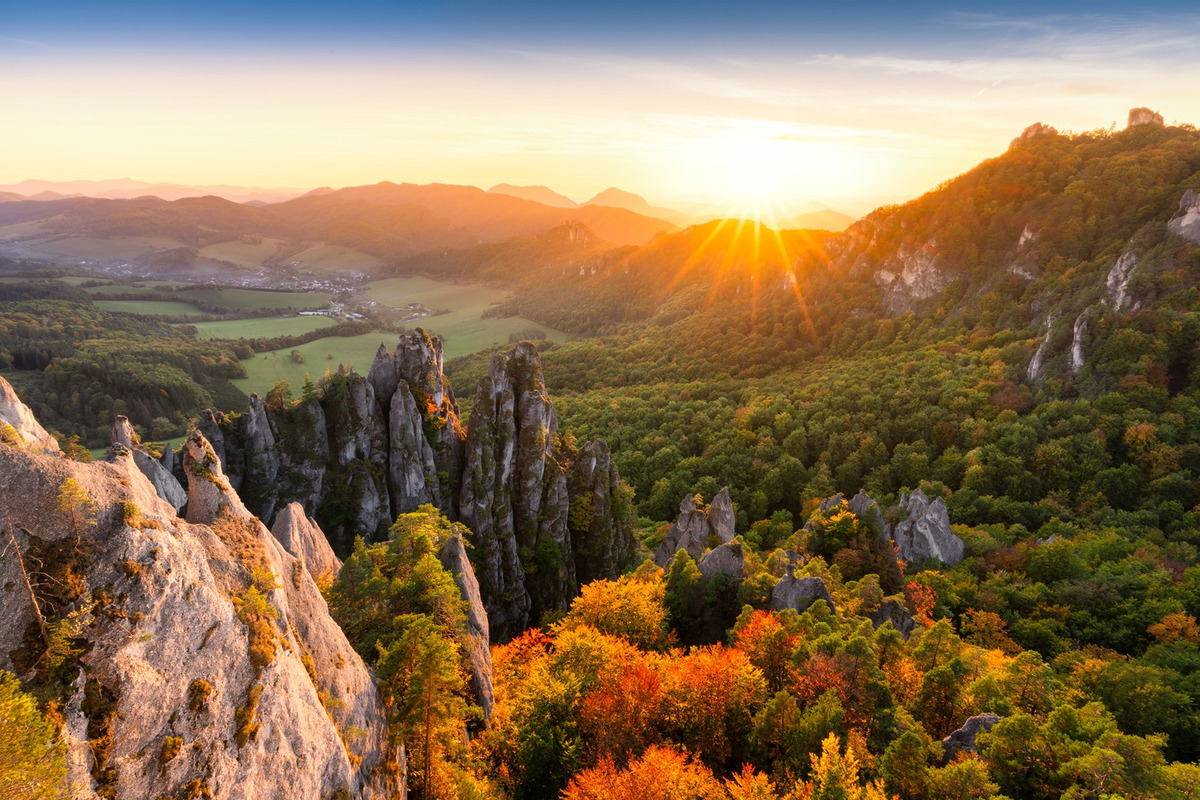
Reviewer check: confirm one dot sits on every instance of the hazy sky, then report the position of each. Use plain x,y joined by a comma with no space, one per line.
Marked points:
849,103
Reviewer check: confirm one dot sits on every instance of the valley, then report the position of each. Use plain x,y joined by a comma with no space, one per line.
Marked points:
901,509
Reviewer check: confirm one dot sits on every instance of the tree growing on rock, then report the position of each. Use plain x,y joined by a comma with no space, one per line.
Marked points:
74,501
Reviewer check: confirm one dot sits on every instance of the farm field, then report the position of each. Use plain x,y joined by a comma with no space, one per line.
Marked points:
242,299
149,307
333,259
264,370
260,327
462,328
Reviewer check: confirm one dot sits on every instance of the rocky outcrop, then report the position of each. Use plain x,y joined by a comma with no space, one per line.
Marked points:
199,697
799,593
1144,116
260,484
925,532
1078,330
600,514
514,495
963,739
1116,285
1186,222
166,485
485,501
894,612
728,559
689,533
476,640
695,529
913,276
304,540
356,452
867,511
17,415
1034,130
1037,364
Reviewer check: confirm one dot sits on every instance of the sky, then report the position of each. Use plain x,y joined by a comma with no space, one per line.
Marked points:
848,104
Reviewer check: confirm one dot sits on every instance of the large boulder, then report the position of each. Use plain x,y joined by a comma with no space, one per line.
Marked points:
1144,116
895,613
1186,222
689,533
963,739
727,559
925,531
720,516
799,593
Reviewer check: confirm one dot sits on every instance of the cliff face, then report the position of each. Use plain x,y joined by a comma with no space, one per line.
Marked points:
205,661
361,451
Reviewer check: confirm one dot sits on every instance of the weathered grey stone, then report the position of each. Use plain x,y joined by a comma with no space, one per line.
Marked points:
303,539
188,630
603,542
485,500
925,533
123,434
260,490
720,516
125,441
15,413
799,593
165,484
1144,116
412,474
209,492
302,439
963,739
1186,222
689,533
1034,130
727,559
867,510
476,639
895,613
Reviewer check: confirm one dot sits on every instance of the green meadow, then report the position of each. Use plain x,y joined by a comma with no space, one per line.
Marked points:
149,307
462,327
260,327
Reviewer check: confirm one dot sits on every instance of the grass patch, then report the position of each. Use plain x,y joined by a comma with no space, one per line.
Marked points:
462,327
149,307
247,299
261,327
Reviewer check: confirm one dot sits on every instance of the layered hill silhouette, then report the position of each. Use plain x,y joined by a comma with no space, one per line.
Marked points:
385,220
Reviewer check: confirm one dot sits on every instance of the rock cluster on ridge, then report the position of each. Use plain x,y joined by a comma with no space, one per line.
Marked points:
175,690
693,529
545,516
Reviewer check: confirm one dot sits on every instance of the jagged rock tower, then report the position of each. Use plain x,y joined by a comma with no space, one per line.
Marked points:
544,515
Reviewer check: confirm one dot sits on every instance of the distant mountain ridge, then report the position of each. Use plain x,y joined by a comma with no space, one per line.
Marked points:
127,189
539,194
385,220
